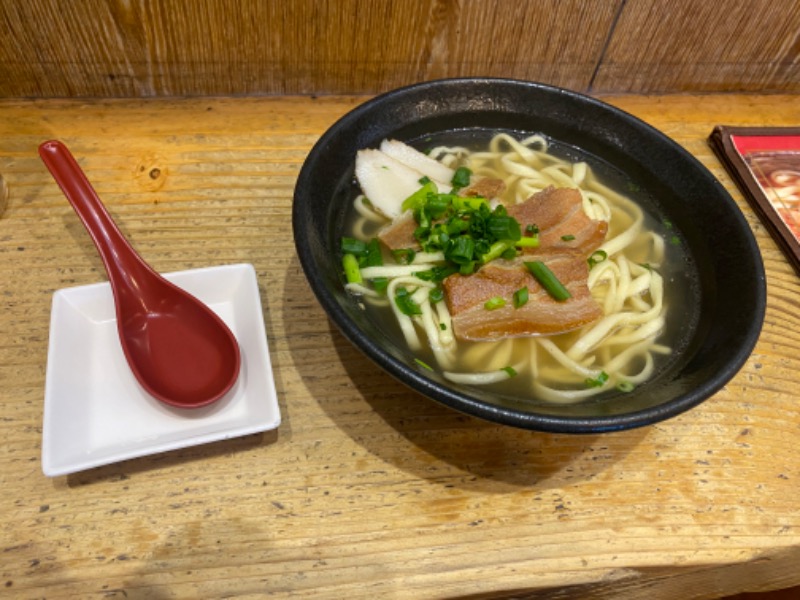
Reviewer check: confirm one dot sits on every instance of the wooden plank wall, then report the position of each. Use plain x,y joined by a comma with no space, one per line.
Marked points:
145,48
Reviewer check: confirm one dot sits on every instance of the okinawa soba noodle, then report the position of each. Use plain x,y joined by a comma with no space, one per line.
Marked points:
619,350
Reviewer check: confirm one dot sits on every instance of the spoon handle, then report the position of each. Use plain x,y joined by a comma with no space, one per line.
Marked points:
114,249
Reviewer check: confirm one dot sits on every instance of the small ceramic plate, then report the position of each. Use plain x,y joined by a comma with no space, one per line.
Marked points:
95,412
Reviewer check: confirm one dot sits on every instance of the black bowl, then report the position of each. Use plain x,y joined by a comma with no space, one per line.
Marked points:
729,282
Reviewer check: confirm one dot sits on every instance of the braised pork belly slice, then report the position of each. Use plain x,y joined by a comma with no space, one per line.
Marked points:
563,224
567,236
488,187
542,315
399,234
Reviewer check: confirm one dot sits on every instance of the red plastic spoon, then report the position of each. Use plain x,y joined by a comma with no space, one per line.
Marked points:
179,350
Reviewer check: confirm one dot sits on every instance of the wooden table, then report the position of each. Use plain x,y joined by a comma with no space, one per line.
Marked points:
367,490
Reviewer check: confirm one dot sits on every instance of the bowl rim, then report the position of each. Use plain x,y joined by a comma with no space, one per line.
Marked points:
448,396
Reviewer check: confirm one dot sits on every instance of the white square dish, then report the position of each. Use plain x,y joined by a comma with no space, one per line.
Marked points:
96,413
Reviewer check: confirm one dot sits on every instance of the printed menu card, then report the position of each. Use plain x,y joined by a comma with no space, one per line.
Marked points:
765,161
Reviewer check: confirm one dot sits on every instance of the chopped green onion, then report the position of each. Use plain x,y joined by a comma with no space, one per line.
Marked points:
368,254
531,241
443,326
598,381
422,364
531,229
405,303
495,303
467,268
503,227
437,205
416,200
380,284
404,256
353,246
597,256
509,254
625,386
548,280
465,229
436,295
567,238
461,250
373,257
461,177
470,203
455,227
351,271
510,371
436,274
521,297
497,250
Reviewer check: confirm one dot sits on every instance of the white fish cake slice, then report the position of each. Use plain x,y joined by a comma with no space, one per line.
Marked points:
387,182
423,163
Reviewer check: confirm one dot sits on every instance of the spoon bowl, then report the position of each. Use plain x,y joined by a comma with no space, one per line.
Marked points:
178,349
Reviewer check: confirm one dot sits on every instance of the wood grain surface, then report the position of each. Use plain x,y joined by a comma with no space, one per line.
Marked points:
367,490
687,46
143,48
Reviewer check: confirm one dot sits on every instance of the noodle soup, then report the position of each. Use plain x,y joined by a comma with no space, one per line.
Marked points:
640,276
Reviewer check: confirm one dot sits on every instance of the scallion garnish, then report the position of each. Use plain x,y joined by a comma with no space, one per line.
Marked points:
509,254
510,371
503,227
467,268
380,284
548,280
597,256
437,274
521,297
497,250
353,246
351,270
469,203
461,177
466,229
423,364
494,303
404,256
461,251
416,200
598,381
530,241
373,256
567,238
625,386
405,303
368,254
